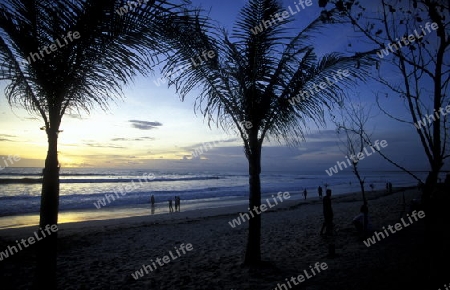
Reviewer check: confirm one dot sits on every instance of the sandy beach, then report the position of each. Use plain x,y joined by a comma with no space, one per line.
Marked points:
105,254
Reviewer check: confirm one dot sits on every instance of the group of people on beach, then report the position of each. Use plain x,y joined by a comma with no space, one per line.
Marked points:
361,221
176,200
177,204
319,190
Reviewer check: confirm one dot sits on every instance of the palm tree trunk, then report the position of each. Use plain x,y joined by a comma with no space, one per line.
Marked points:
253,251
47,247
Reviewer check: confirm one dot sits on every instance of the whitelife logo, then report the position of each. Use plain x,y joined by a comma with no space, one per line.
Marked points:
279,17
54,46
124,9
11,160
305,94
429,119
393,46
397,226
355,158
123,191
301,278
263,208
31,240
177,71
166,259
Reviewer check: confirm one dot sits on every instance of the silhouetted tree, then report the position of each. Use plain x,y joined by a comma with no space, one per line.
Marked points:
413,42
100,45
257,84
409,43
351,128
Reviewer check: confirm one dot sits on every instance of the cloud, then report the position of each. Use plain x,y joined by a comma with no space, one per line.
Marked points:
133,139
6,137
74,116
324,135
211,144
98,145
144,125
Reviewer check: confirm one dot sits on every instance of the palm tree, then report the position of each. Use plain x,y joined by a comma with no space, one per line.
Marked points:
257,83
60,56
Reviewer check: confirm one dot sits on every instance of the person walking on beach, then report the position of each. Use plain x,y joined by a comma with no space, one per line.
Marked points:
170,205
320,191
327,214
305,193
177,200
152,200
177,203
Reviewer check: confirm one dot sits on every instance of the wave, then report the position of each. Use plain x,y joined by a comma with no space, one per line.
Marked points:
27,180
24,180
81,191
24,204
61,174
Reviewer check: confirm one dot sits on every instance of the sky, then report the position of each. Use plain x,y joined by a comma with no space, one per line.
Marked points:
152,129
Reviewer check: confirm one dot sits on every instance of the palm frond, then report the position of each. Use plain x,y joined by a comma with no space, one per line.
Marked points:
90,71
254,76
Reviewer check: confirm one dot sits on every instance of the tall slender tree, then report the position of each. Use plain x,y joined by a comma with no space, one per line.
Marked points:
413,42
262,82
351,129
63,55
412,38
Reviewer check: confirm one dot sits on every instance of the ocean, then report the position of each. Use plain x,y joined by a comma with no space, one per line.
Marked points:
81,189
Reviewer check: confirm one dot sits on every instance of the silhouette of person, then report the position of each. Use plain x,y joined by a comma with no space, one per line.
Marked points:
320,191
170,205
152,200
305,193
178,200
327,214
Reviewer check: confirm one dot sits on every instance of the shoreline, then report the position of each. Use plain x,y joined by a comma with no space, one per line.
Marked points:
106,254
135,216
